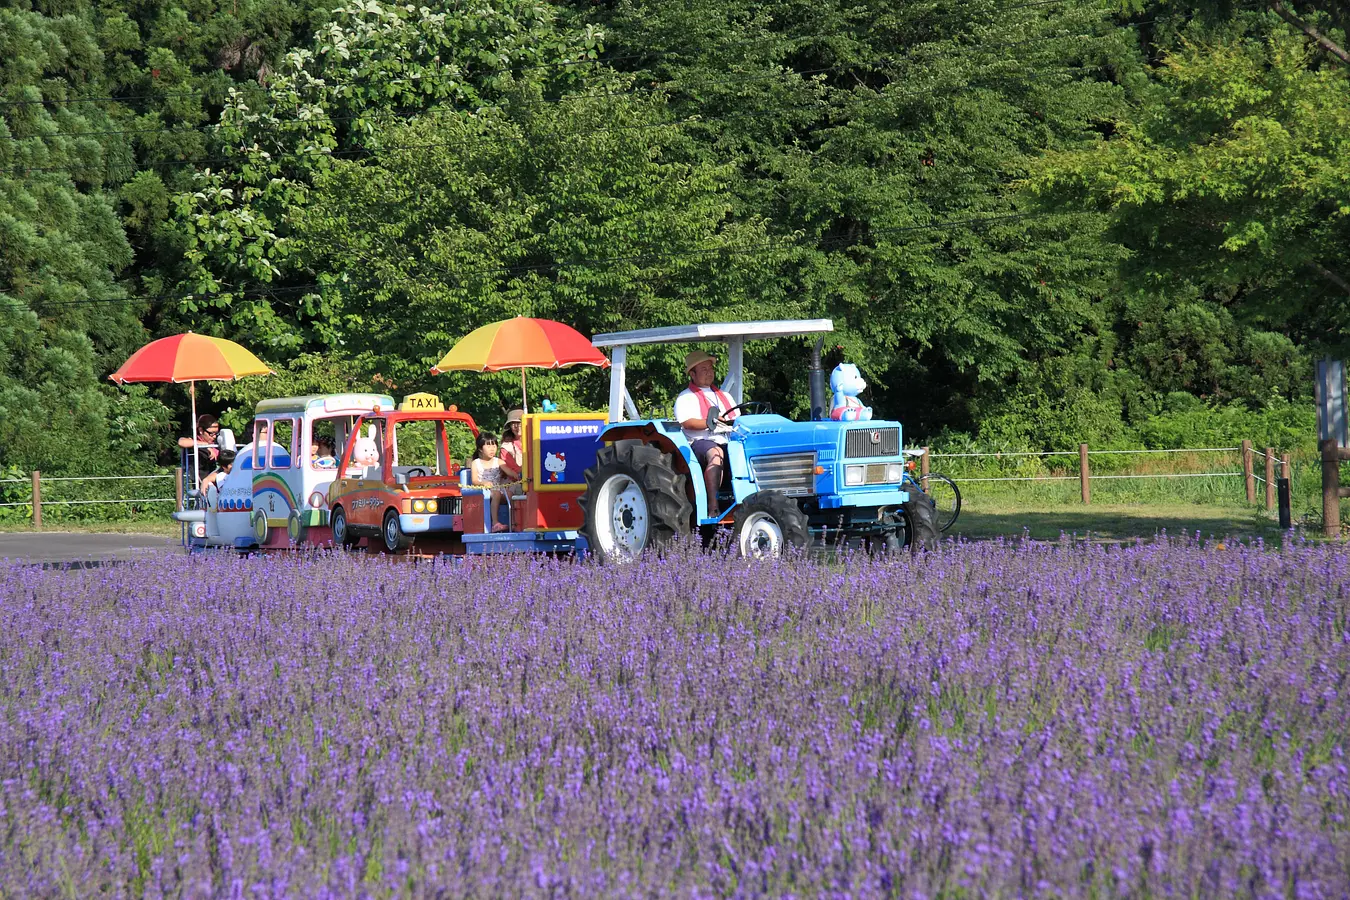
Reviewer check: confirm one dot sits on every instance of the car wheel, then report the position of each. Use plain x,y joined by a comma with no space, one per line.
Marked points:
295,529
260,529
394,539
342,532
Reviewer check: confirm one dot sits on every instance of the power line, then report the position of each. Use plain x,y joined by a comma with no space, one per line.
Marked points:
265,293
430,116
599,60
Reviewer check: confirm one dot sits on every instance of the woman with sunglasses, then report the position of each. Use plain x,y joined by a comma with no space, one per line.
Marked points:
205,443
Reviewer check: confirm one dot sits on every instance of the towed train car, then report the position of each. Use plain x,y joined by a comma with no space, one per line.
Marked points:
277,493
391,481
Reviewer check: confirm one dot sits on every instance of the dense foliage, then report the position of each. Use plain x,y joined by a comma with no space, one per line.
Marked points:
994,720
1033,223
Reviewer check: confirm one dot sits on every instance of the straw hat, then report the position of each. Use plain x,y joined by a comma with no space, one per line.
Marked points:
696,357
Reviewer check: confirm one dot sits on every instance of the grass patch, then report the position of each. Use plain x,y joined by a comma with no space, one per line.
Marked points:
158,525
990,518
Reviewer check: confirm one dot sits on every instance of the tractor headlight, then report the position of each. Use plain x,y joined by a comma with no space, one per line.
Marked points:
895,471
419,506
431,506
853,475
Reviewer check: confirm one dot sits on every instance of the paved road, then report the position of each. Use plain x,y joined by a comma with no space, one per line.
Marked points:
67,547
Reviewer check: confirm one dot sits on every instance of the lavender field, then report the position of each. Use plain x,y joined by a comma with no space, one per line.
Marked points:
998,719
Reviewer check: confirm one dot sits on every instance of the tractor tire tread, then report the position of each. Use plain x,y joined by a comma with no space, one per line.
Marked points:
784,510
667,500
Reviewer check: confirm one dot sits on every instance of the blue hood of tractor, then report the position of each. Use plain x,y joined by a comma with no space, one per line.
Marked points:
772,434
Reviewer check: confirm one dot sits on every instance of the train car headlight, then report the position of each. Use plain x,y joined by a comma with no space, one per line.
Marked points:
431,506
419,506
853,475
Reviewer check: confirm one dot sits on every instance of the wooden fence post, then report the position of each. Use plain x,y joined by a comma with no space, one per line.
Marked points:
1284,466
1331,488
1270,478
1083,473
1247,474
37,500
923,469
178,487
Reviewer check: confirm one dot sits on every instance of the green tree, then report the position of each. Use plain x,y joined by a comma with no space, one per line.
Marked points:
64,320
1230,182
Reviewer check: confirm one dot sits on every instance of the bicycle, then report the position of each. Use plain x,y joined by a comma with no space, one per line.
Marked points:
944,493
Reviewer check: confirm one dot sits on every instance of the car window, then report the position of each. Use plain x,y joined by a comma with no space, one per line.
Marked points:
283,443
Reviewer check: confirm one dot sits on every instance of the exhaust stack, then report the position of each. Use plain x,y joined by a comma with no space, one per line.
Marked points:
817,380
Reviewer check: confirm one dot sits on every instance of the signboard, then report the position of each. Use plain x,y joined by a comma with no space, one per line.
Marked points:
564,448
1330,391
421,403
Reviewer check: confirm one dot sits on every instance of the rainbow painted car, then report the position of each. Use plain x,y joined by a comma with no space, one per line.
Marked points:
277,494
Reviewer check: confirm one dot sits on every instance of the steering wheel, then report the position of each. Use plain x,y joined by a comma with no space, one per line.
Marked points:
417,472
751,408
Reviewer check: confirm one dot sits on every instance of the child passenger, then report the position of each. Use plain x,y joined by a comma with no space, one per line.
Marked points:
486,471
321,454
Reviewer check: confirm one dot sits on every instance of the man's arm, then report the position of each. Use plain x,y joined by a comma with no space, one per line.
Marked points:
686,412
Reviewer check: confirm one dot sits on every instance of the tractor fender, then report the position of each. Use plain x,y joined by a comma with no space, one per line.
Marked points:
672,442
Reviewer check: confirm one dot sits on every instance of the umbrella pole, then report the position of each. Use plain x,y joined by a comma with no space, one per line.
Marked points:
524,400
192,430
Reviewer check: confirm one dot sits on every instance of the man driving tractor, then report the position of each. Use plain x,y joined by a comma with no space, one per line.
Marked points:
707,434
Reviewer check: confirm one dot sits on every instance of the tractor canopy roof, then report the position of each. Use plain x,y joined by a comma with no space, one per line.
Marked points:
714,331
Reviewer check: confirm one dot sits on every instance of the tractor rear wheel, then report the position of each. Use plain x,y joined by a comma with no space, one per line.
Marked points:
921,522
634,501
768,523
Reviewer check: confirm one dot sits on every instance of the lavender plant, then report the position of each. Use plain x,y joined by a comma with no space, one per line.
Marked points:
1000,719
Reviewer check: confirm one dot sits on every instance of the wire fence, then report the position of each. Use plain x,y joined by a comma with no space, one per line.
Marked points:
39,498
1235,474
111,497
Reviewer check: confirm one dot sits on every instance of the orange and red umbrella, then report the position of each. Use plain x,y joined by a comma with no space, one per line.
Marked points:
191,358
521,343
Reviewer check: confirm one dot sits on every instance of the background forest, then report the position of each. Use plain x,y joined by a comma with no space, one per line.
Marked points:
1034,223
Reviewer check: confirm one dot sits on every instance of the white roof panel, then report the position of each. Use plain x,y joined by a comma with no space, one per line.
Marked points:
714,331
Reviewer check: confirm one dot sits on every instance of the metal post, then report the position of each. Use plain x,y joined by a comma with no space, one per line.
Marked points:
1286,515
178,487
1270,478
1247,474
1083,474
923,469
618,359
37,500
1331,484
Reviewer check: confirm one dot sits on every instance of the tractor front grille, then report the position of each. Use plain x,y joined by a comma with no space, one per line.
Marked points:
864,442
792,473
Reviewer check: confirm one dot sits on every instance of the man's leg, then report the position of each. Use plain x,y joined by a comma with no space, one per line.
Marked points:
712,477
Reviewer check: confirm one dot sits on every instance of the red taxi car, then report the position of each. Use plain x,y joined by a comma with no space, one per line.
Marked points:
398,482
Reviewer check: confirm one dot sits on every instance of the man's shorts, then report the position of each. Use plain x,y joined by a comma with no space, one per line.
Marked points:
701,448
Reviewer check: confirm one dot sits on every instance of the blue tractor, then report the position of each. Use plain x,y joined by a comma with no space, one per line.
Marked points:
787,484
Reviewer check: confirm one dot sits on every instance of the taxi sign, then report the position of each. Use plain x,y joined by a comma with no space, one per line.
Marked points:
421,403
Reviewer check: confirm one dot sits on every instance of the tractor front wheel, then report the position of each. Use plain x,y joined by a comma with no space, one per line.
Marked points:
634,501
921,522
768,523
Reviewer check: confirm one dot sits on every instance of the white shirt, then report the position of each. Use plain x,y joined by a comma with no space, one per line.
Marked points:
687,407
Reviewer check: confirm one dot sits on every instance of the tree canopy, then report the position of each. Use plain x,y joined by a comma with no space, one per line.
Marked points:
1035,223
